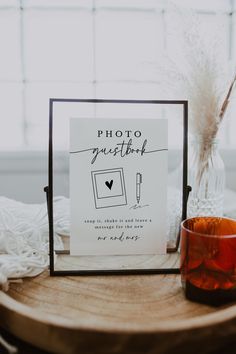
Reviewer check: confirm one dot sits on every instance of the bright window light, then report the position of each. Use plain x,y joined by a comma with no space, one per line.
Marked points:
92,49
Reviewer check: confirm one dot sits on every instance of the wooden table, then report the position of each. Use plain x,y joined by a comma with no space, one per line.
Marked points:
114,314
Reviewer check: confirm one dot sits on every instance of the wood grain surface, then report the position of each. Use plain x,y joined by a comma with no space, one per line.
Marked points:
113,314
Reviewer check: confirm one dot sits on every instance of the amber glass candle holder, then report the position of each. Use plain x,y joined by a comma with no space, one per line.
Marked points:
208,259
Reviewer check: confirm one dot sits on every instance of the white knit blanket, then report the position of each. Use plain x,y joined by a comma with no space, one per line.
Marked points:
24,235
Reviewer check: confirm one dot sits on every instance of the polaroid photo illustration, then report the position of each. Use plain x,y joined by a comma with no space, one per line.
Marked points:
109,188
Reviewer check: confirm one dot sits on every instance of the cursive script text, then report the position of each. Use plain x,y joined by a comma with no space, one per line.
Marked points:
121,149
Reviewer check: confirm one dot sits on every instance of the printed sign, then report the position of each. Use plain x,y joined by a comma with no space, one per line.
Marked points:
118,186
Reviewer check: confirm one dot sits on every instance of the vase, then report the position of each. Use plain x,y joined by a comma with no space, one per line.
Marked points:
206,176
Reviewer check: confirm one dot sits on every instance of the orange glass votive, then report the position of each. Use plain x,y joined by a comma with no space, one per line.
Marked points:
208,259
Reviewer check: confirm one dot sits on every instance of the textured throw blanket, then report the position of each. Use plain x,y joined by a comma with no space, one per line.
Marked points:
24,237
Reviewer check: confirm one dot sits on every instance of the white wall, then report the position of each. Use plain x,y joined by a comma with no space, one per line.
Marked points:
23,176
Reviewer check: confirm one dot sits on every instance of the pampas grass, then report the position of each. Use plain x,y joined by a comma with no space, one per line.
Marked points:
195,69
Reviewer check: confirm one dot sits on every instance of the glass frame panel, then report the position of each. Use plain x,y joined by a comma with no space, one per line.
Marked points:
49,190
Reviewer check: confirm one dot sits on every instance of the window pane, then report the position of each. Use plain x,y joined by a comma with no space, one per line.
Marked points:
11,124
127,44
37,98
130,4
58,45
211,31
209,5
59,58
58,3
9,3
234,39
147,91
129,91
10,65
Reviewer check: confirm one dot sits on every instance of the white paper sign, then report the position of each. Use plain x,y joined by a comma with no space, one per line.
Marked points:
118,186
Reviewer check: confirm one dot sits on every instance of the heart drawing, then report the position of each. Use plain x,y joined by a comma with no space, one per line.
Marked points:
109,184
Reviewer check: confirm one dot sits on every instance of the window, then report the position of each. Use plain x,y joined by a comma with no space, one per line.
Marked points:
90,48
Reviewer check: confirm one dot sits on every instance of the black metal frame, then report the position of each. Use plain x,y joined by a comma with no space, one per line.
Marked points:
49,189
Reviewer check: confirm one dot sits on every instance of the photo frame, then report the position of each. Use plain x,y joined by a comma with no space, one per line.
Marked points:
71,265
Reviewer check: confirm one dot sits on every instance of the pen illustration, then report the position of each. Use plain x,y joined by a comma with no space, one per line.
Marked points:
138,186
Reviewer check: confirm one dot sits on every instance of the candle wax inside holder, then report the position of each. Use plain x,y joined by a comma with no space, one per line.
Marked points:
208,259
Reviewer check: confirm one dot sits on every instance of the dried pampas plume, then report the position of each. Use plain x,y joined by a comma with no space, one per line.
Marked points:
195,69
227,98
